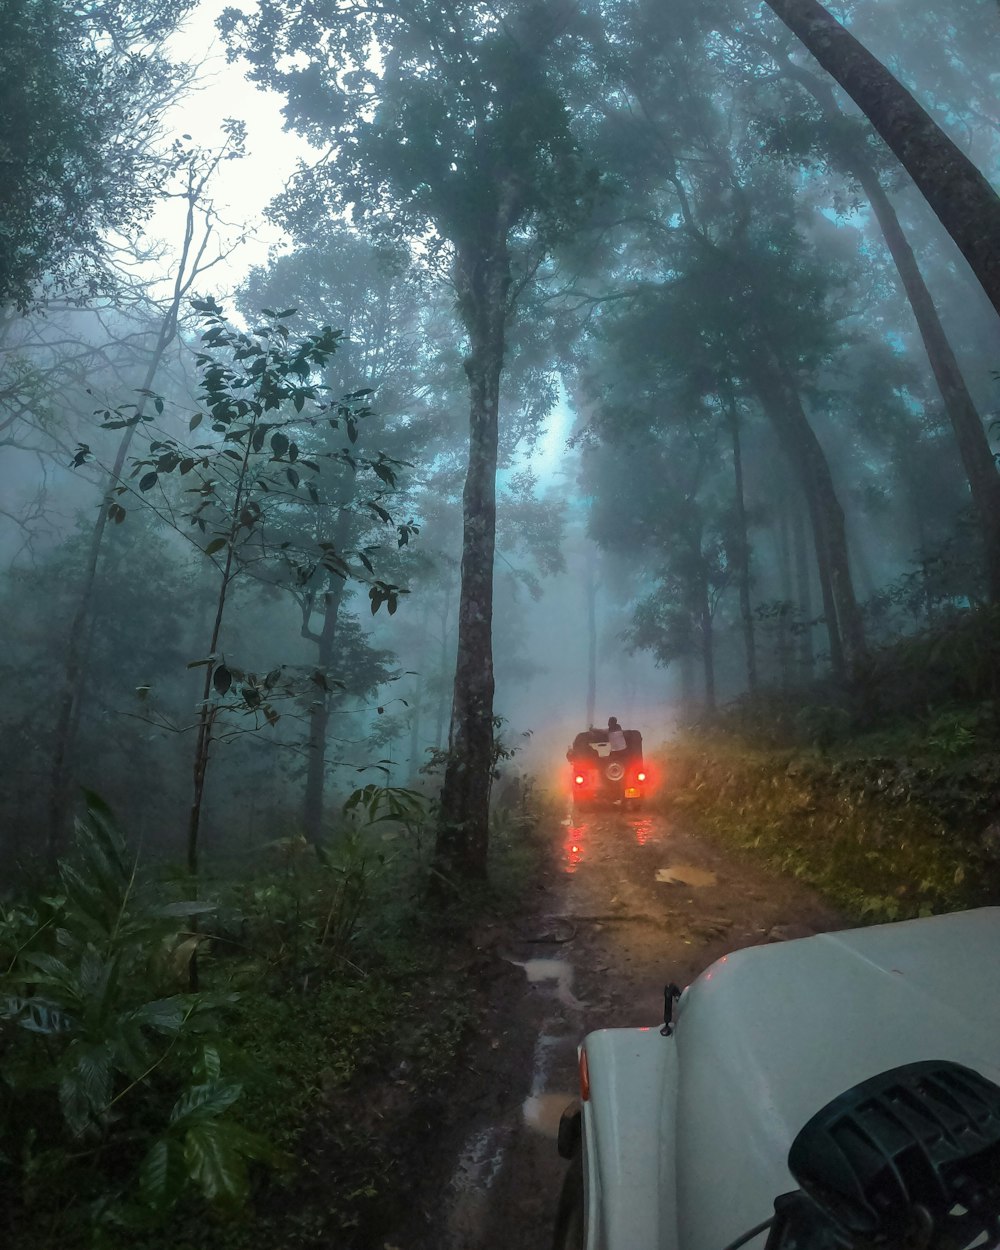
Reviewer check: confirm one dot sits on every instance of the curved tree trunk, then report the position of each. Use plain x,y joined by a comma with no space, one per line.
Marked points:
965,203
973,444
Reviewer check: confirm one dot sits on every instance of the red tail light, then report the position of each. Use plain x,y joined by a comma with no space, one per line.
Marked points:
578,779
640,776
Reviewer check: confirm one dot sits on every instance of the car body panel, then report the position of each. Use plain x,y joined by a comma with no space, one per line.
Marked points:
690,1134
598,775
628,1156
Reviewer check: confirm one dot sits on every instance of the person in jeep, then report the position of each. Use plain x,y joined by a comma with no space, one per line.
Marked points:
607,766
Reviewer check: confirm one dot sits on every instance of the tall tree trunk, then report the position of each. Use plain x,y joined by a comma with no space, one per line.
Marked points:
319,715
442,703
783,405
416,711
785,568
319,718
707,645
189,267
743,549
965,203
686,663
970,435
590,591
803,583
81,627
482,279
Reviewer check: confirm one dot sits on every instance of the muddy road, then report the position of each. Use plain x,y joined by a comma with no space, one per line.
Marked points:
632,901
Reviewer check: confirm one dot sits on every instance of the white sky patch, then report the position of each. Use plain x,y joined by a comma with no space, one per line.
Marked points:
242,189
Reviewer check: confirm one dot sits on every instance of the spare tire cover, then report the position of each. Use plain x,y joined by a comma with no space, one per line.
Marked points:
614,771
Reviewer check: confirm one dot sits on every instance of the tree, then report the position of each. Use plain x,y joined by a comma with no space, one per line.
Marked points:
965,203
458,137
847,147
193,262
84,88
259,389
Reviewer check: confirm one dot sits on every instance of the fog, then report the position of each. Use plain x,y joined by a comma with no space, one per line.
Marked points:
729,463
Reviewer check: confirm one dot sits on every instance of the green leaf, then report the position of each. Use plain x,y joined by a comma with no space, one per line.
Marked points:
222,679
147,481
292,476
189,908
203,1102
215,545
209,1063
165,1015
279,444
195,421
163,1174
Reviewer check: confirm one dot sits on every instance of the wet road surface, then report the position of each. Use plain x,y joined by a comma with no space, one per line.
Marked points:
635,902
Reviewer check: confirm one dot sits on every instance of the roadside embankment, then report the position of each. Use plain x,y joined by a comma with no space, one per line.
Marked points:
883,838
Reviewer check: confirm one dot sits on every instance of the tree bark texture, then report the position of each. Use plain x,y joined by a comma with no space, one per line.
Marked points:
785,568
783,405
319,718
970,435
803,583
743,554
707,645
482,279
963,200
590,591
81,627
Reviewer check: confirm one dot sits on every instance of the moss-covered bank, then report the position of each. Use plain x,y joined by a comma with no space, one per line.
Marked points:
884,838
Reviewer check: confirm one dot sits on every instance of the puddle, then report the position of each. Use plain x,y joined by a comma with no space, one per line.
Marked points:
542,1112
685,874
557,970
573,848
643,832
478,1168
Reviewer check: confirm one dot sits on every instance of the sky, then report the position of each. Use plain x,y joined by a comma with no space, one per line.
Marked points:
243,188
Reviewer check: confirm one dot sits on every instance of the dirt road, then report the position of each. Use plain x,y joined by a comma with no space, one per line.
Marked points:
633,902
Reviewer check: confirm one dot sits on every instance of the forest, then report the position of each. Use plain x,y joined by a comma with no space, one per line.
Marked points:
525,362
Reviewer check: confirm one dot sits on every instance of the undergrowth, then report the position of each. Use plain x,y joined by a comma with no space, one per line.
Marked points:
846,824
290,1101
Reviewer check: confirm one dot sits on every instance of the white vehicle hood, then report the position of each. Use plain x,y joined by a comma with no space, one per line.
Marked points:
769,1035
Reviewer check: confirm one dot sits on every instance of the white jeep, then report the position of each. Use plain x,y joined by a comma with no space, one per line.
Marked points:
831,1092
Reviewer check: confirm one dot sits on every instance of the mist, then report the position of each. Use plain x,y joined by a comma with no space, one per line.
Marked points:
711,287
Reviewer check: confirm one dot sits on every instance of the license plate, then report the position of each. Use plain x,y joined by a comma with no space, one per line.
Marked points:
631,793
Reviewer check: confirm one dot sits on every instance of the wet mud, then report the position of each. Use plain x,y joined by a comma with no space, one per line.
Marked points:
632,902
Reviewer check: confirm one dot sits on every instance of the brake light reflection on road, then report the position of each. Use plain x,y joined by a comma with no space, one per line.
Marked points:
573,848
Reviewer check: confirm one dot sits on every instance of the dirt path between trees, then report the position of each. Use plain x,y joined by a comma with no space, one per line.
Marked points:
632,902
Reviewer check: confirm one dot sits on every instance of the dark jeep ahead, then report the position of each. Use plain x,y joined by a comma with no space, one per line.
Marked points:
600,775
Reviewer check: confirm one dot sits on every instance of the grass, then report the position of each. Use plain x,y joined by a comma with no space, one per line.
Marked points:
348,1062
845,823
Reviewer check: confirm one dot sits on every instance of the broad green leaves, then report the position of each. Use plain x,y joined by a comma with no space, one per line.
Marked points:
99,1066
